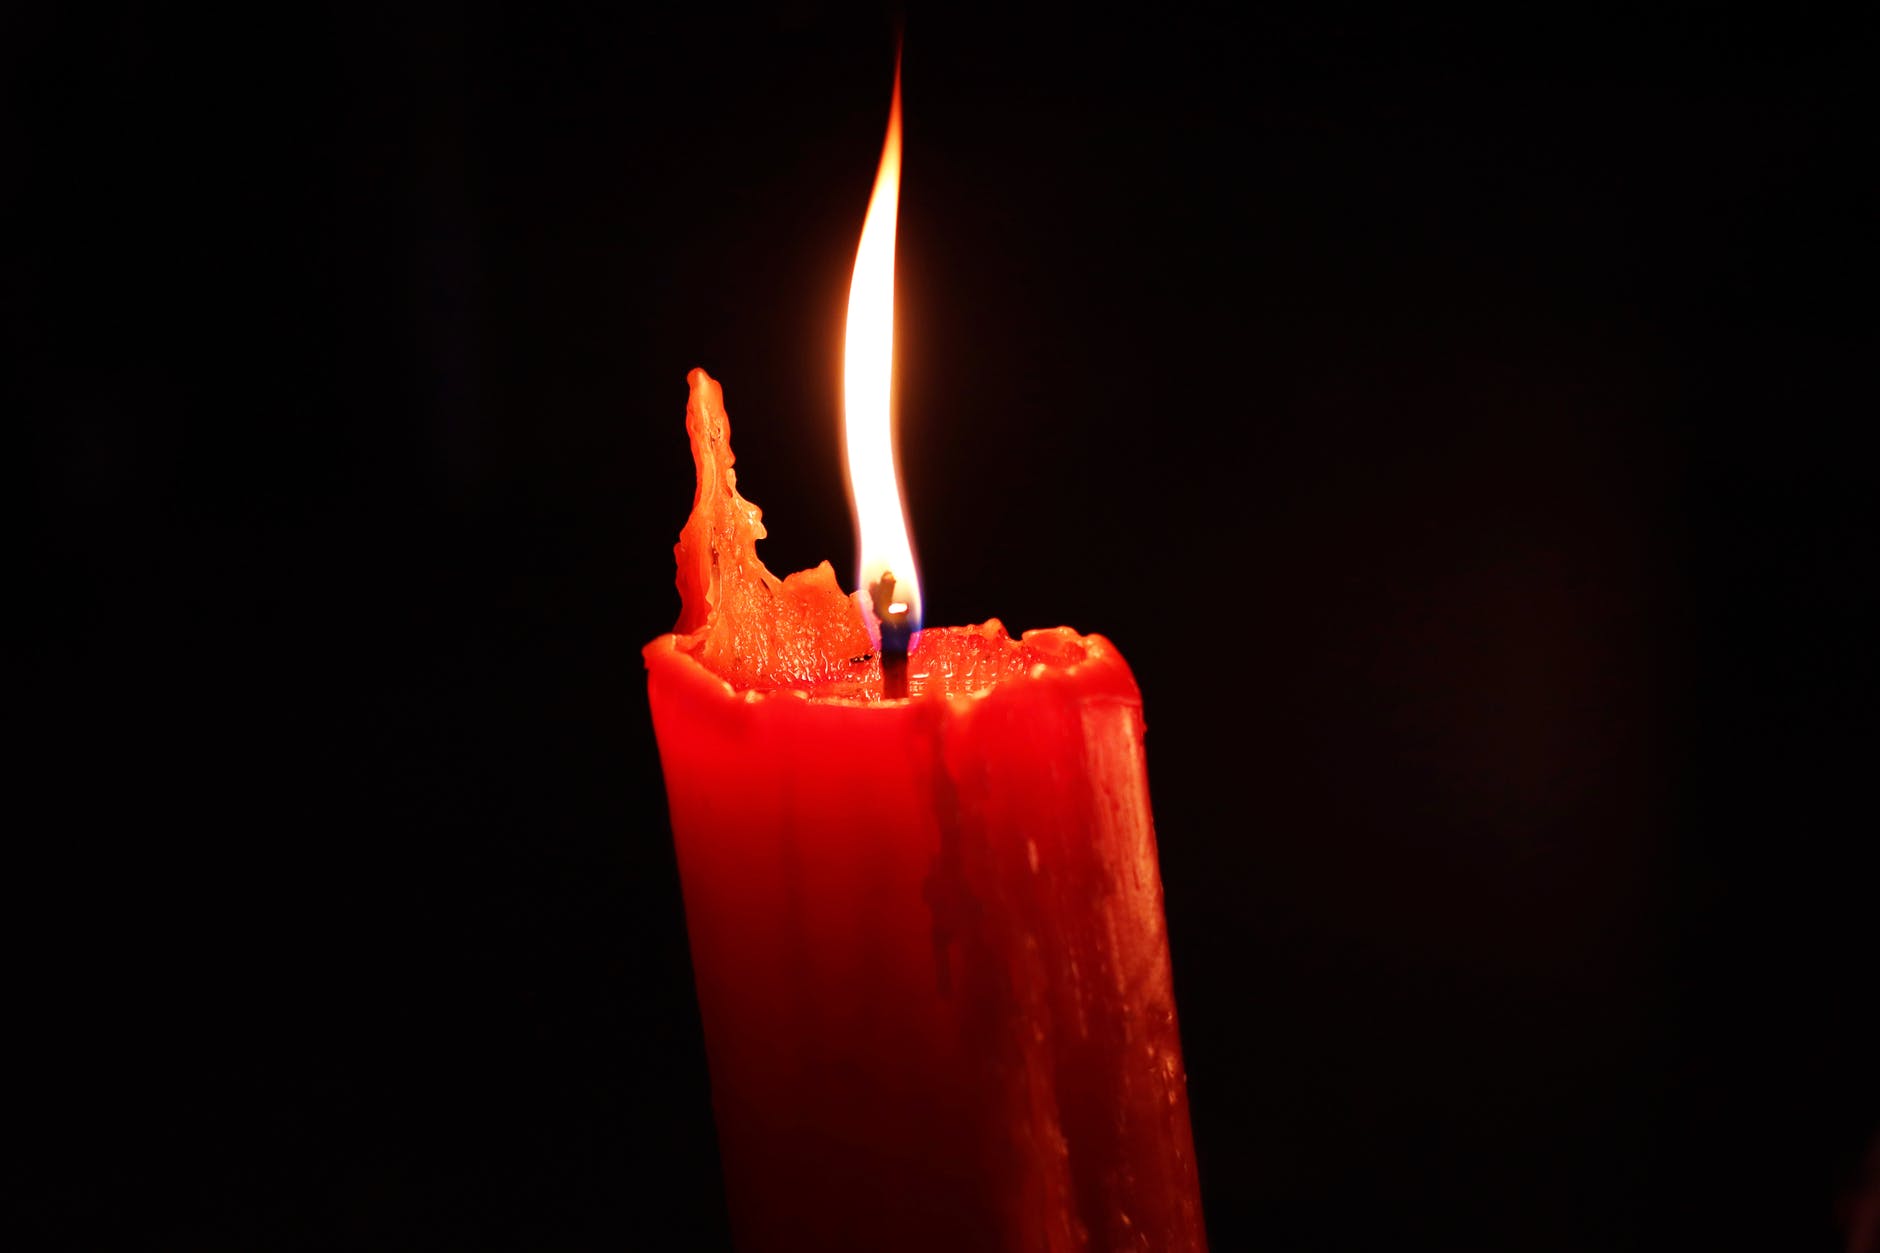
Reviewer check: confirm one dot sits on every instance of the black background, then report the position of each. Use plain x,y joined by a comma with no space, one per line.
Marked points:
1454,423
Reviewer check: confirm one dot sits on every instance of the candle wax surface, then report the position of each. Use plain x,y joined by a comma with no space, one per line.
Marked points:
927,933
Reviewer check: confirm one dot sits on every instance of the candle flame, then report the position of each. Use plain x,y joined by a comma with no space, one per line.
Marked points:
882,543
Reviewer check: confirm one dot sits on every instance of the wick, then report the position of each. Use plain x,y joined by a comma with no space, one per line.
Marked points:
892,615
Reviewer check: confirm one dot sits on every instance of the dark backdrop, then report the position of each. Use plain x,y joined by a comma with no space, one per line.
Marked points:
1453,423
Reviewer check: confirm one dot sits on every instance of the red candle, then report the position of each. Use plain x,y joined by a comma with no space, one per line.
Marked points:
926,929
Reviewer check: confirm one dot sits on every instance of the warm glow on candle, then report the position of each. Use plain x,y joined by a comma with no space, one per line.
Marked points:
868,392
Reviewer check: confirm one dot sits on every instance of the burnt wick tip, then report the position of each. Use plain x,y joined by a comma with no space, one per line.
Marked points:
892,617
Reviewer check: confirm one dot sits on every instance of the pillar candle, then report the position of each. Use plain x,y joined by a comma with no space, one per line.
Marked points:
927,932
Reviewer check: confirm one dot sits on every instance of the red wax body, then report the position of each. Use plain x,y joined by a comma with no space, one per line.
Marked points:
930,952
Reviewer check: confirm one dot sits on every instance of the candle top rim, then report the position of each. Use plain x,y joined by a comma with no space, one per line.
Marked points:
950,665
801,636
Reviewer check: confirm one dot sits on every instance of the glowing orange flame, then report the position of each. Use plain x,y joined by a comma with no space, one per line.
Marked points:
882,540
